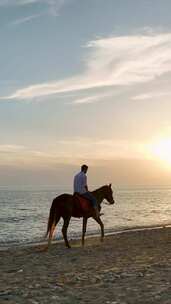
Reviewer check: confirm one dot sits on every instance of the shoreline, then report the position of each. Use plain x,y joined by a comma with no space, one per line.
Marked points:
110,232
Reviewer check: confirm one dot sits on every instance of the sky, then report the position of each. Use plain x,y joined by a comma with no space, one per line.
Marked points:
85,82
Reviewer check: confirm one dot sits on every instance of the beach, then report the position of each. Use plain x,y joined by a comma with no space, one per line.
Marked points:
127,268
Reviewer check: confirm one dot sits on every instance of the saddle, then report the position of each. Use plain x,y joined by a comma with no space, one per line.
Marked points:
82,203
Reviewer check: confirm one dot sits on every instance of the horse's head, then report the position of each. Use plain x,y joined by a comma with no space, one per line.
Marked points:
108,194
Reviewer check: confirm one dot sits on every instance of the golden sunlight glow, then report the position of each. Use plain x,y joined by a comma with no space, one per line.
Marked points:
161,150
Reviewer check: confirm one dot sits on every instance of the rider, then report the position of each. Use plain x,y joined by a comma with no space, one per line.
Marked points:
80,187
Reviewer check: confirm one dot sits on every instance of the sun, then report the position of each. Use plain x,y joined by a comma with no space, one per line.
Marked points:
161,150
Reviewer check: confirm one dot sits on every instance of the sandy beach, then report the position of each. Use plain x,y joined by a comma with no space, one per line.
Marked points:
127,268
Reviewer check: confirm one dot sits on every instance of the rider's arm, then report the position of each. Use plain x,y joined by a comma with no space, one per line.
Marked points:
86,187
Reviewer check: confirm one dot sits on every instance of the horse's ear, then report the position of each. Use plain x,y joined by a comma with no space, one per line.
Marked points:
110,185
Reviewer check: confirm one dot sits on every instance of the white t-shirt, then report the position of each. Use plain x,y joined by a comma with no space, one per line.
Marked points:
80,182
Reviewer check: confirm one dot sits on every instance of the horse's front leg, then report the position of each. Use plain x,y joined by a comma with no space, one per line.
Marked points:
98,220
84,229
64,231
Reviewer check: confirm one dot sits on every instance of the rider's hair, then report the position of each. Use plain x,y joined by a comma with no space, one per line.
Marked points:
84,167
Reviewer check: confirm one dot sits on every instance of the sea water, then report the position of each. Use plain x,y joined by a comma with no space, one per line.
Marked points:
24,212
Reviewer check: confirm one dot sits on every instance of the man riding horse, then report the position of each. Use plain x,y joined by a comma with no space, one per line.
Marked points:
67,205
81,188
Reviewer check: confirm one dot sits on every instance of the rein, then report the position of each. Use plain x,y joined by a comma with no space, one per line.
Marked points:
99,195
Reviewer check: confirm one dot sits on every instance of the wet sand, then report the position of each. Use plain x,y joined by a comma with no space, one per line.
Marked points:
128,268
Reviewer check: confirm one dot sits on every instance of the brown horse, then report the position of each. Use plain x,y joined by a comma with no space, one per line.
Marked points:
67,205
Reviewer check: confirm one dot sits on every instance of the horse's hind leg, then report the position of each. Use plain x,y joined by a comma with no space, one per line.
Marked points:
64,231
52,231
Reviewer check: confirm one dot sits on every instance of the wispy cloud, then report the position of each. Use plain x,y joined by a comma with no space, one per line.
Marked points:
92,99
74,150
11,148
84,100
18,2
100,148
50,7
112,61
55,6
79,147
151,95
24,20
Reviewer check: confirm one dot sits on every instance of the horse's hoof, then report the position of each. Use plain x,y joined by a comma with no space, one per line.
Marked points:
68,246
102,240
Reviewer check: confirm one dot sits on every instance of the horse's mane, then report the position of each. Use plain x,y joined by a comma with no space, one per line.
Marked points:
99,189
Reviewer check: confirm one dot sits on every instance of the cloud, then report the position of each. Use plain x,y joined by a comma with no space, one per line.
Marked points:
112,61
55,6
18,2
92,99
72,150
11,148
87,148
84,100
151,95
24,20
48,7
52,7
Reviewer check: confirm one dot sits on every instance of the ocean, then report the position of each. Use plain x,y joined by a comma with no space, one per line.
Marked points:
24,212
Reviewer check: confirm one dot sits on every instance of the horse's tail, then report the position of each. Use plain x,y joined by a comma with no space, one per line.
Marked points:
52,217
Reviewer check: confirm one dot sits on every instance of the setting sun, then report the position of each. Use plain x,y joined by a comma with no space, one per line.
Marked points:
161,149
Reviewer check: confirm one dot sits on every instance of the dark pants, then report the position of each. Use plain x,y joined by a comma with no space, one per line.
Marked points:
91,198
